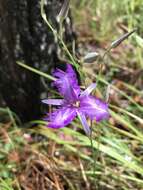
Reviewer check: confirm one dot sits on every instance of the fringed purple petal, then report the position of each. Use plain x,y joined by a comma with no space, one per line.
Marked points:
56,102
84,123
67,83
61,117
89,89
94,108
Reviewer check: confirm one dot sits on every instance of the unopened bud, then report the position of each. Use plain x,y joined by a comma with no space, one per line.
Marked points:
121,39
64,11
91,57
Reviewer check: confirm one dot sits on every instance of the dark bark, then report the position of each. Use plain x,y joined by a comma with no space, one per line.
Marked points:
24,36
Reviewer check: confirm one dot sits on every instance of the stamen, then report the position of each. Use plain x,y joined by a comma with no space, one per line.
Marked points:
76,104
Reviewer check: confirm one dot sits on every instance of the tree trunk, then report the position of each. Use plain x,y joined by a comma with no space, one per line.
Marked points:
25,37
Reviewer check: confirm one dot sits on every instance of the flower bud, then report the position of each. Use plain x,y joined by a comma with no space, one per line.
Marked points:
91,57
64,11
121,39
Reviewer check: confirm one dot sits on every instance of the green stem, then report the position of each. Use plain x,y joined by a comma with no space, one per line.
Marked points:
95,155
43,14
102,63
93,152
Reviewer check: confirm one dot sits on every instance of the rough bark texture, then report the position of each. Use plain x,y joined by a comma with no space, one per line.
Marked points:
24,36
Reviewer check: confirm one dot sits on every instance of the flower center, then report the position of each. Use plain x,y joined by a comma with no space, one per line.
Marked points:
76,104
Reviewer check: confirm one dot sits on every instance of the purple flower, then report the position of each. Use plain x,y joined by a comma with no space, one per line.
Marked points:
75,103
